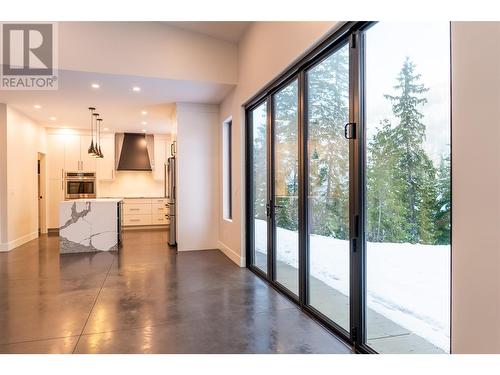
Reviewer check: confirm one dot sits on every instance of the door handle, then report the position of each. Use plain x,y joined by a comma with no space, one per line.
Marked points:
268,210
350,130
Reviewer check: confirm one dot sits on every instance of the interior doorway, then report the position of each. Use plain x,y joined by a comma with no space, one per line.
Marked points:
42,223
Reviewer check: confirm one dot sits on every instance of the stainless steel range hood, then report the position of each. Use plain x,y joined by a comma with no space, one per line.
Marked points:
134,152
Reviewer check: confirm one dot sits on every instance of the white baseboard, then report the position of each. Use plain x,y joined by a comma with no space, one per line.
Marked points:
231,254
18,241
180,250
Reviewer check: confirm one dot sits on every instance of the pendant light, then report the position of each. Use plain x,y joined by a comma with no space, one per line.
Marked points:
98,146
100,151
91,147
95,151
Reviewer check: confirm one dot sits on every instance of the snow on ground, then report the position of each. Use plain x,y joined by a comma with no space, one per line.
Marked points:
408,284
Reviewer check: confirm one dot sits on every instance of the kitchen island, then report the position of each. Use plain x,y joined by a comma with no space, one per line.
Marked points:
89,225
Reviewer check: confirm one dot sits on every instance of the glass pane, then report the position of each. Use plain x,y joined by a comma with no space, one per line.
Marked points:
328,184
286,184
88,188
408,187
259,130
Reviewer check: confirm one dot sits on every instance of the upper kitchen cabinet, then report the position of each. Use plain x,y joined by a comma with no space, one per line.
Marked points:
76,157
68,153
55,156
106,165
87,163
162,150
72,153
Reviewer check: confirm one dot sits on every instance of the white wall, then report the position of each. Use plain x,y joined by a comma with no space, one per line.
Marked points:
25,138
197,176
131,184
266,50
3,177
149,49
476,187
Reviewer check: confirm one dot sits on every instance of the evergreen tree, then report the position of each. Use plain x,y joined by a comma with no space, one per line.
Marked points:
328,87
286,157
385,213
415,170
443,204
259,173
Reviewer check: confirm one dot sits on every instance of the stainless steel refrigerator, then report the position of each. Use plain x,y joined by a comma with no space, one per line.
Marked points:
171,196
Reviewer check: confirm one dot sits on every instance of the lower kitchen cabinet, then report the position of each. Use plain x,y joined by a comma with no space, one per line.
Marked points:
55,195
129,220
159,219
144,212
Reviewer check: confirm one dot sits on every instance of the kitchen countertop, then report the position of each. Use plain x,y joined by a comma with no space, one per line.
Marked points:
89,225
133,198
96,200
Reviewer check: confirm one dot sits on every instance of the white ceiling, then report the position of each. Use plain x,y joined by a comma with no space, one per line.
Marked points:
226,30
118,105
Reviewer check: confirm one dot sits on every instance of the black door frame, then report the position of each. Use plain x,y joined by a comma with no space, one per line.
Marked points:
350,33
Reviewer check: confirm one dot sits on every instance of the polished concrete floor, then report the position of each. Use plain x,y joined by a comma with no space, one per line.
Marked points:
383,335
145,299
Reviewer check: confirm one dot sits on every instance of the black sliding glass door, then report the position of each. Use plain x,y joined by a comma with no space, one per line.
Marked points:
258,223
348,185
285,187
407,224
328,186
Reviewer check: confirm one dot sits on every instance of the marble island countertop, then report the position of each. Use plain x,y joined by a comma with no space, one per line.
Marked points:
89,225
128,197
97,200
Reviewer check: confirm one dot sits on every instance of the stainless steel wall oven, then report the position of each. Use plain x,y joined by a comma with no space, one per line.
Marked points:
79,185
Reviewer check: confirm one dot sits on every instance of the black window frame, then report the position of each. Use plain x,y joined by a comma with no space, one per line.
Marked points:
227,168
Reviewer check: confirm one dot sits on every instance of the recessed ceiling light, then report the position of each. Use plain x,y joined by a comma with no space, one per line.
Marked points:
144,130
95,85
144,123
136,88
53,118
106,129
37,106
144,113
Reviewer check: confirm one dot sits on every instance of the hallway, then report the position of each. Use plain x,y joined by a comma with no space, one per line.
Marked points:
145,299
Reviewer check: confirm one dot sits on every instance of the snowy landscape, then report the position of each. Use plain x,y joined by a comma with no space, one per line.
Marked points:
408,284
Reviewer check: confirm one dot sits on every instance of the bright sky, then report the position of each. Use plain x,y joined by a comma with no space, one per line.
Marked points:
428,46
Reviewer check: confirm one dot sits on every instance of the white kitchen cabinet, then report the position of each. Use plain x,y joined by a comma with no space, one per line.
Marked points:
136,209
87,163
145,211
55,195
160,158
159,219
76,157
71,153
106,165
55,156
